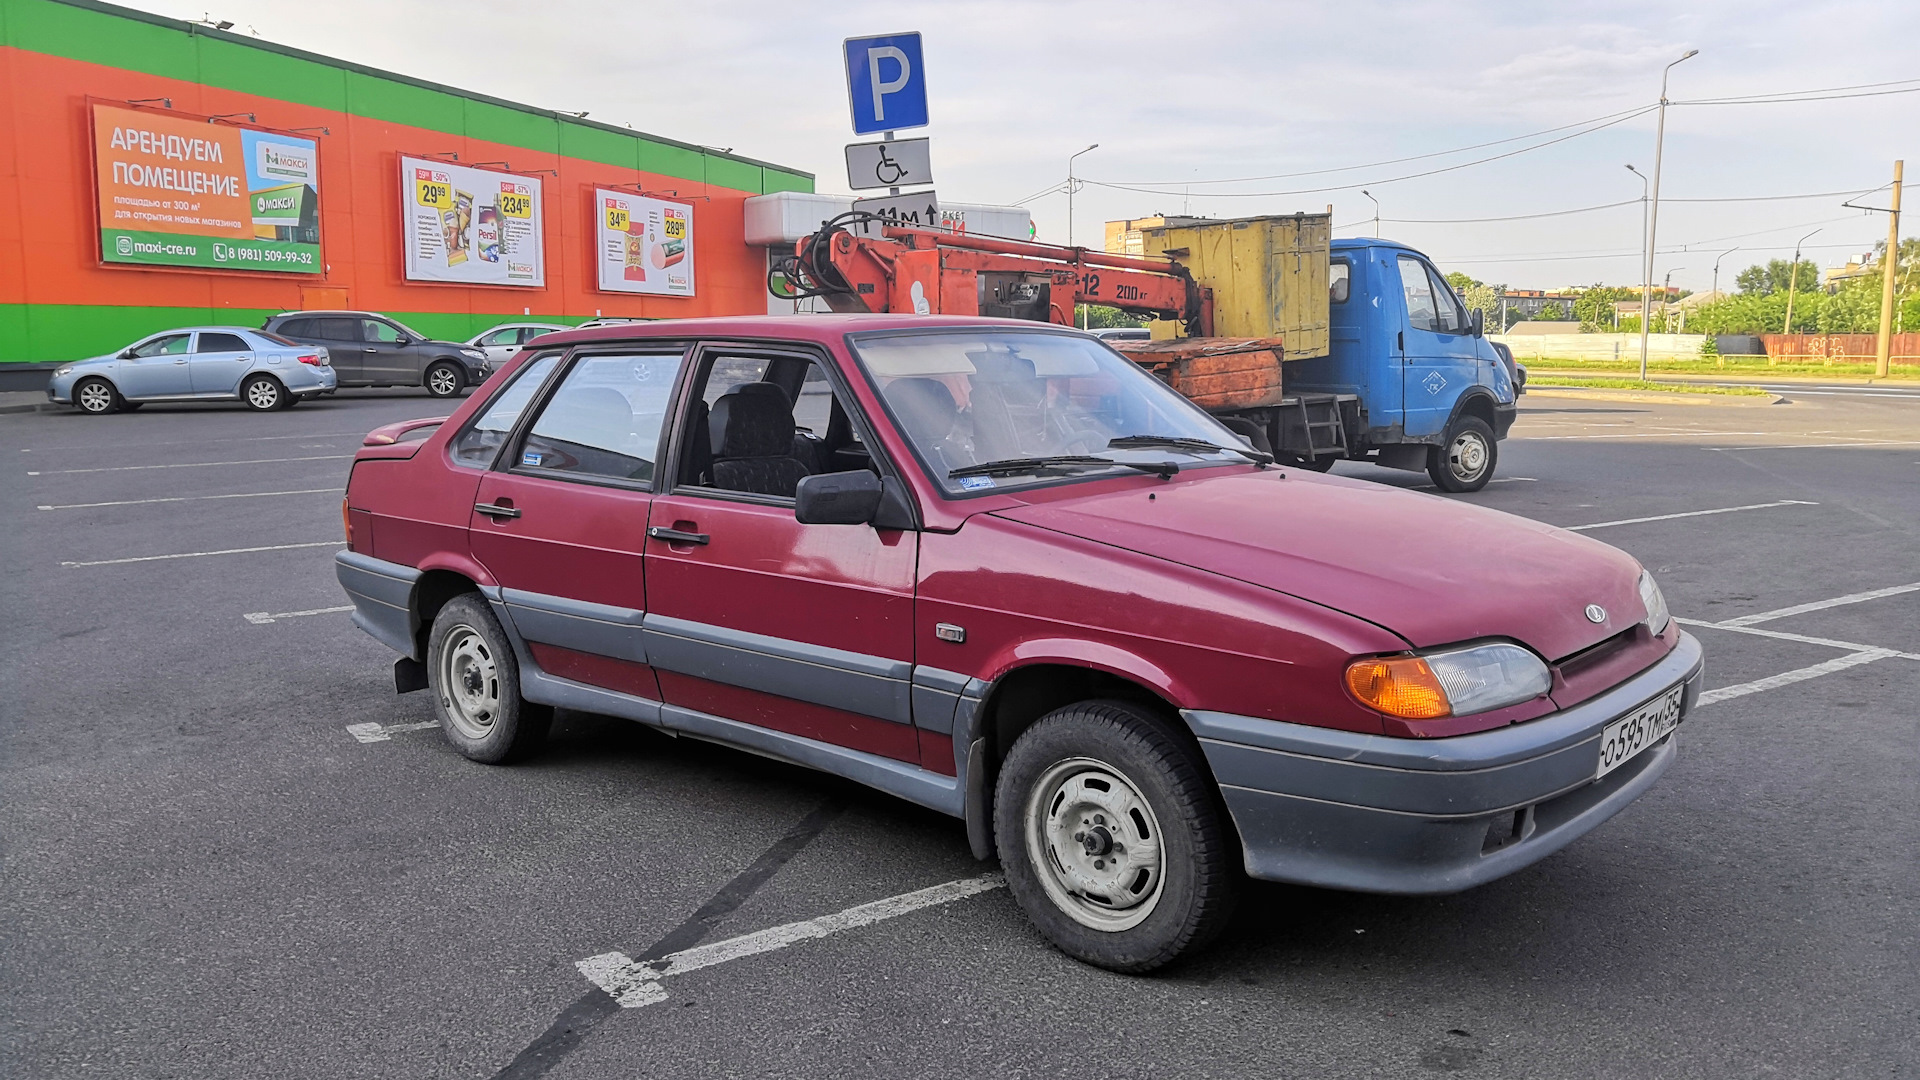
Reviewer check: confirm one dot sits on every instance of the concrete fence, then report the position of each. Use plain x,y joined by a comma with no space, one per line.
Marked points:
1528,347
1838,348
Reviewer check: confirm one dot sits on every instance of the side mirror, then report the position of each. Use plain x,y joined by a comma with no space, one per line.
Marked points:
1478,319
403,341
842,498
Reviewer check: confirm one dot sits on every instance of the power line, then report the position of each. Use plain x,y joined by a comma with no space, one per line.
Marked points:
1388,180
1402,160
1610,206
1549,257
1825,93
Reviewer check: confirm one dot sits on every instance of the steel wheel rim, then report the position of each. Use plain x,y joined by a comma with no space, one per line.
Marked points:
443,381
262,394
95,397
1095,845
1467,457
469,683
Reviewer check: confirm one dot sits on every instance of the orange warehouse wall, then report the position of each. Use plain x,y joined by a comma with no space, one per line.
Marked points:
49,232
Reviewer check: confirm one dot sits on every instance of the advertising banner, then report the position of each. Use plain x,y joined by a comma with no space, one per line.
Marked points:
645,244
179,191
471,226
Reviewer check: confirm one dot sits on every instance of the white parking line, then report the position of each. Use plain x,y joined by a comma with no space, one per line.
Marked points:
191,464
1688,514
1788,678
1821,605
261,618
1495,480
372,733
192,498
1638,435
636,984
200,442
1781,635
1821,445
201,554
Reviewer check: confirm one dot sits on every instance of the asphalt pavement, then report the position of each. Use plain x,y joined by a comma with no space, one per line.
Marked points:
228,849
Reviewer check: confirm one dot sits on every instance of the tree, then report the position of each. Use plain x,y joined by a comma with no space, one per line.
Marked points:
1594,306
1774,277
1552,312
1460,282
1486,300
1101,317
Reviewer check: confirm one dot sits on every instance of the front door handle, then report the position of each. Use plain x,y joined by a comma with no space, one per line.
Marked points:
675,536
495,510
369,350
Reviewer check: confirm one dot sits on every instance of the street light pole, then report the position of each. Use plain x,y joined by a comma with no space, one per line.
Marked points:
1716,270
1883,346
1653,215
1646,266
1376,212
1071,185
1793,281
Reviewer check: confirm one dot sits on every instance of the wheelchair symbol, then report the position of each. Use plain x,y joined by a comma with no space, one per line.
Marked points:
887,165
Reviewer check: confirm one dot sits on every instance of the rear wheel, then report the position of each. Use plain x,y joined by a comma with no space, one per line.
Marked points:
1112,837
444,380
97,397
475,683
263,393
1465,461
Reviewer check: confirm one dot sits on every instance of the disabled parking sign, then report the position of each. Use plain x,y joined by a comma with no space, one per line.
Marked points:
886,83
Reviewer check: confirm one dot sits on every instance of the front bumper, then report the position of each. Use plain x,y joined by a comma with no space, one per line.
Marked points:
1503,417
1336,809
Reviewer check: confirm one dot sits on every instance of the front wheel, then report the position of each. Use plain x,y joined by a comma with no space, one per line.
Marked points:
444,380
97,397
475,683
1112,837
1465,461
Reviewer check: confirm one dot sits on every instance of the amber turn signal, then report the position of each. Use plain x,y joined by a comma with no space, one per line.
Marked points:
1402,686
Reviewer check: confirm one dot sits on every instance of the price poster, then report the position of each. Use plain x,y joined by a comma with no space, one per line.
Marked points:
471,226
645,244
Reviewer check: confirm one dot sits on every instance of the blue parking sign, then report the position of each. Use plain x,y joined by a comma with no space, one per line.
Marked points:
886,83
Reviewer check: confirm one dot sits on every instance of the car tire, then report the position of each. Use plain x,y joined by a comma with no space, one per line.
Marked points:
97,397
1113,838
263,393
1465,461
444,380
475,684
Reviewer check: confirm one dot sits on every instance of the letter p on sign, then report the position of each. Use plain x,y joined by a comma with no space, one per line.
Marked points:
886,83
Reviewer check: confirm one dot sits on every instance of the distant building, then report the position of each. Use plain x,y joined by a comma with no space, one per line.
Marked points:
1864,266
1529,303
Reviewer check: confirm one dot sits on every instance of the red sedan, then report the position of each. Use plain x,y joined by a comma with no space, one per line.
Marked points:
994,568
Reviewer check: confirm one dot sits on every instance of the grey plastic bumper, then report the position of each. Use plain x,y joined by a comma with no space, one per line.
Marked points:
1370,813
382,595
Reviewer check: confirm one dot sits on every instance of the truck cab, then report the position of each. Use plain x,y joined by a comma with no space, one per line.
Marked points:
1428,390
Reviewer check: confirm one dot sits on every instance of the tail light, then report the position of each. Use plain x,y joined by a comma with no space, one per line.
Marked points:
346,524
316,359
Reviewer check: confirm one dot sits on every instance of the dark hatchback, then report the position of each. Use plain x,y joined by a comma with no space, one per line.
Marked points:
369,349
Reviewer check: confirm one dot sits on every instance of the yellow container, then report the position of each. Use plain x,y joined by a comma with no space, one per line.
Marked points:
1268,275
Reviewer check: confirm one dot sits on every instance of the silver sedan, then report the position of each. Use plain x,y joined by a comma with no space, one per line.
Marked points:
197,363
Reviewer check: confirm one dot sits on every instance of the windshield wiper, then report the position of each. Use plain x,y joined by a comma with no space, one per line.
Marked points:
1009,466
1175,442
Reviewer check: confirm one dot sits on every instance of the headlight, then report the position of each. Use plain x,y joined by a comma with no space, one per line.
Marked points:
474,354
1456,682
1656,604
63,372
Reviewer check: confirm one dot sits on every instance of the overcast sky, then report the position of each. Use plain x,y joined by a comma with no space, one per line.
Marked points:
1181,93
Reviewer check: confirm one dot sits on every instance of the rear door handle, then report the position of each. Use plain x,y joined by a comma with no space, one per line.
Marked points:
675,536
494,510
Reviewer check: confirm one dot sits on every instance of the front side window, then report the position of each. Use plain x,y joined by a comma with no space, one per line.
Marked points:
1453,317
1421,312
507,336
221,343
166,345
477,446
604,420
375,330
1339,280
988,409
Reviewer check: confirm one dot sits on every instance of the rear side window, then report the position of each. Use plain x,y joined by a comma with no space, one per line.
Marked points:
335,329
221,343
297,328
528,333
477,445
604,420
1339,280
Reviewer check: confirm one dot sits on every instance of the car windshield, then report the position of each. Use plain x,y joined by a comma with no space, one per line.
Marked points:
990,408
273,337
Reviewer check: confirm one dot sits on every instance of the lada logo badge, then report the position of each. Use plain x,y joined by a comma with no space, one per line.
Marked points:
1596,613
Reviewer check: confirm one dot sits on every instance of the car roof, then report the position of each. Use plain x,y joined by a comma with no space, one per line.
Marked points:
203,329
821,328
352,314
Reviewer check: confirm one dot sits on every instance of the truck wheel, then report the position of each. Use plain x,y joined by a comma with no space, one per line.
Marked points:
97,397
1465,461
475,684
444,380
1112,837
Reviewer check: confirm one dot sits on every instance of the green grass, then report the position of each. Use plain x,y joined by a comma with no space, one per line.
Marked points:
1635,384
1735,367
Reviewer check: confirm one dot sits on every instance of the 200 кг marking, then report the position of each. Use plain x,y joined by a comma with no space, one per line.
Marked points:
1622,739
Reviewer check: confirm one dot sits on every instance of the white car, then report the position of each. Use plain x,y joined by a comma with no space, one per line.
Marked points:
501,342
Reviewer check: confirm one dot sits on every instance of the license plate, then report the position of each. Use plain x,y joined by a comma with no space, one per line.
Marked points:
1627,736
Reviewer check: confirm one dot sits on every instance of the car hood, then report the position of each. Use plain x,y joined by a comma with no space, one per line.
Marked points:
1432,570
